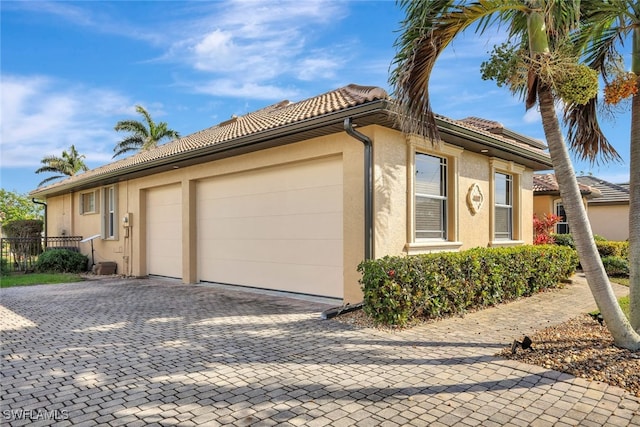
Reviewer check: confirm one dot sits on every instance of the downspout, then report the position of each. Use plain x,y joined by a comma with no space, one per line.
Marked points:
45,220
368,211
368,186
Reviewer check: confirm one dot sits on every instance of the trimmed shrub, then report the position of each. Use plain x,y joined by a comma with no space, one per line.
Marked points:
4,267
616,266
61,261
608,248
563,240
399,289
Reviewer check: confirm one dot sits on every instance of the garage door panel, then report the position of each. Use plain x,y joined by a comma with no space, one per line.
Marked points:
321,199
315,280
308,226
277,228
316,174
164,231
289,252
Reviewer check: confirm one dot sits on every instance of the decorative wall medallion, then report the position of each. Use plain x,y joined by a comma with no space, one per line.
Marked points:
475,198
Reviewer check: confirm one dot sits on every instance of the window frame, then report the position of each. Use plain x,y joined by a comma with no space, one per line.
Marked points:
451,154
109,226
557,205
441,198
95,195
507,206
516,172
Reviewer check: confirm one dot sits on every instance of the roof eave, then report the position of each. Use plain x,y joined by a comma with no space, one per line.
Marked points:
282,135
463,137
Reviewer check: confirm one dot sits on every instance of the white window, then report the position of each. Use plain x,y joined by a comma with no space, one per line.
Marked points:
110,215
88,203
432,211
562,227
430,197
503,194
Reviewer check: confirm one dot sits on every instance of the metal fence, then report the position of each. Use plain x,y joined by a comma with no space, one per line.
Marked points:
21,253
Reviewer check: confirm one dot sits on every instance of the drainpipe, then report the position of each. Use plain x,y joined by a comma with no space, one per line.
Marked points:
45,220
368,185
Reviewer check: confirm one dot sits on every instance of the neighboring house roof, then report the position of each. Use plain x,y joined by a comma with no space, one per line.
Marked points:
498,128
611,193
548,185
287,122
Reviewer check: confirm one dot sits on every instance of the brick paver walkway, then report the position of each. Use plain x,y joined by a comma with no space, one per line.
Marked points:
156,352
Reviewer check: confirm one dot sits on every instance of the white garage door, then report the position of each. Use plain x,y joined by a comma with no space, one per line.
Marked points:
164,231
276,228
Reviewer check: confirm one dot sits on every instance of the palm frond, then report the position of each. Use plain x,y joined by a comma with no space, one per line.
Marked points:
132,126
51,178
428,29
585,136
48,169
131,143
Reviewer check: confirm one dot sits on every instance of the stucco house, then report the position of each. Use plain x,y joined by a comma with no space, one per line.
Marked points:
294,196
546,199
609,213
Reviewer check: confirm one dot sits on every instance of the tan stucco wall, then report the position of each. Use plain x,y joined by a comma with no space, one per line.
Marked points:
543,204
390,198
610,221
392,155
474,229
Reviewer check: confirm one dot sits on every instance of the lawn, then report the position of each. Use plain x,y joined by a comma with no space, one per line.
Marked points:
22,279
620,280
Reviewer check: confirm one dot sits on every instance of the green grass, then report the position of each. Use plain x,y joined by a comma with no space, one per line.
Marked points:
620,280
624,305
37,279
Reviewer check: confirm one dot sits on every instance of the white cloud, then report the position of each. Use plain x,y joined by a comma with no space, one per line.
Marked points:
42,116
310,69
233,88
532,115
258,45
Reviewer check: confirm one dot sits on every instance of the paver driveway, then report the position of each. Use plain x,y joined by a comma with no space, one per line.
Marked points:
156,352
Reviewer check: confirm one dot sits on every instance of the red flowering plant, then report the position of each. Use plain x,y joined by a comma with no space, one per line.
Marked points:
543,227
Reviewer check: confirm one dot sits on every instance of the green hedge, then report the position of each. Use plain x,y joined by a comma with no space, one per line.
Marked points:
605,247
61,261
609,248
399,289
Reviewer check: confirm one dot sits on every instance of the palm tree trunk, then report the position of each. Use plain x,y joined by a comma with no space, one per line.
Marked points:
617,323
634,215
634,191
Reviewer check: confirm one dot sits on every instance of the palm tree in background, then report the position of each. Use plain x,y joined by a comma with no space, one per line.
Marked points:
608,24
142,136
69,164
542,65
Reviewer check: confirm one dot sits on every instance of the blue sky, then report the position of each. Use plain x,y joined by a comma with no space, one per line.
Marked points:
71,70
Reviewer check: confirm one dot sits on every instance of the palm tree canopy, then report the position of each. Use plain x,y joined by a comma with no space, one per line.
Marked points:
69,164
546,69
605,26
431,25
142,136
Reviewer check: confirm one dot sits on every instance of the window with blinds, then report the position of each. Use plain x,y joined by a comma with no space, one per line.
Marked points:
430,197
503,194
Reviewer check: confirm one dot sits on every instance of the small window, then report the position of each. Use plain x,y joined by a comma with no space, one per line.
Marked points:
88,203
430,197
562,227
110,216
503,226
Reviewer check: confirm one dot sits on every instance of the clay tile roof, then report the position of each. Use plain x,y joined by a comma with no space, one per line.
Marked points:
484,124
547,183
611,193
267,121
280,114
